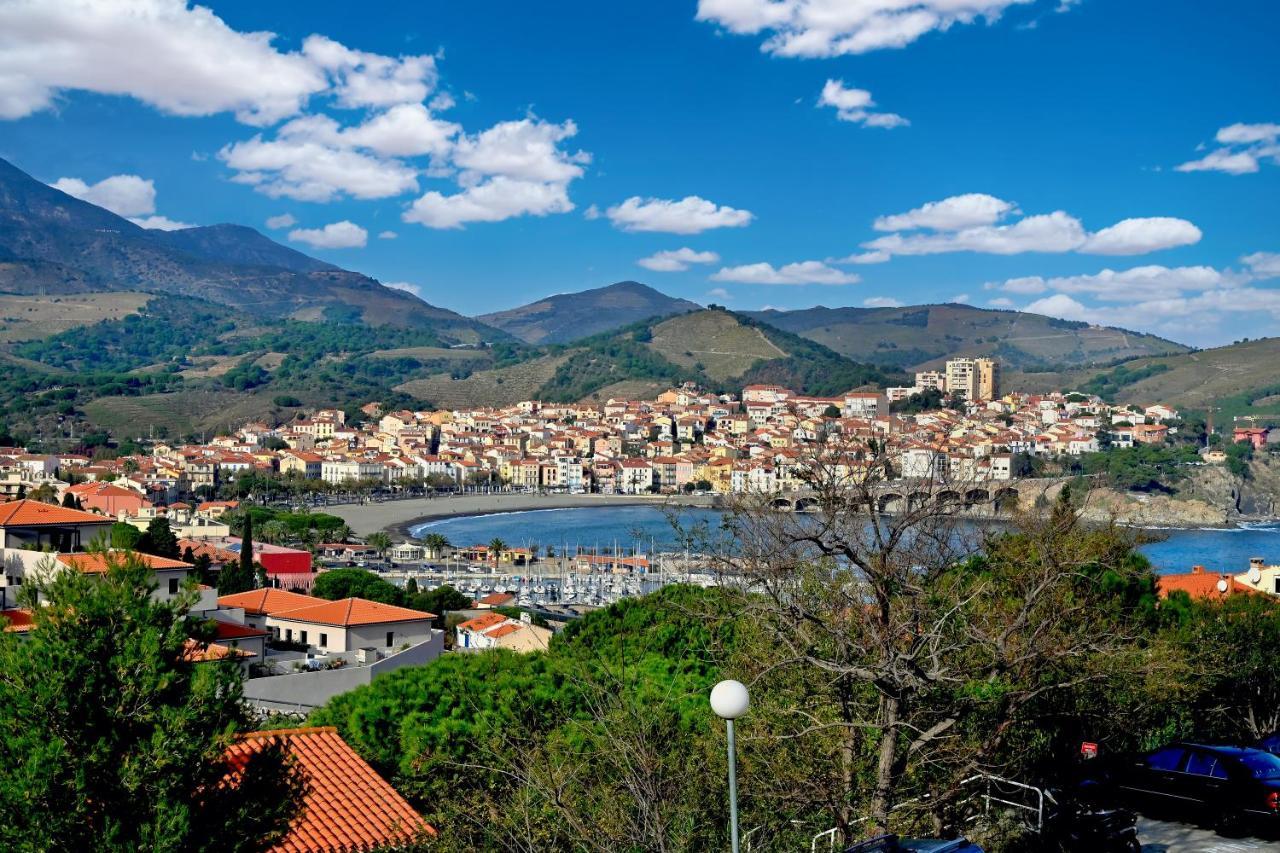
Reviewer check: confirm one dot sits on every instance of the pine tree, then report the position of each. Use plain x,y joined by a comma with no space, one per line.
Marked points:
83,738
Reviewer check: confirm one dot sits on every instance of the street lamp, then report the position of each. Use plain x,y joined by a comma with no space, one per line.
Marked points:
730,701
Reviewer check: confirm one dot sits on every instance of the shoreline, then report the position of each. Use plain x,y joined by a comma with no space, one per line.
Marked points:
397,517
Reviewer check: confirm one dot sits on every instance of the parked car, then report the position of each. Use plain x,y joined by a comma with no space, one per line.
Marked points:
894,844
1271,743
1226,787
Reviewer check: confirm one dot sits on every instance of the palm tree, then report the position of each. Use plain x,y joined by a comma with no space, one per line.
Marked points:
435,544
496,547
379,541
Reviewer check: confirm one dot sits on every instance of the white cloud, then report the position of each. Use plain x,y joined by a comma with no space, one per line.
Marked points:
854,105
950,214
492,201
1263,264
1053,232
335,235
123,195
719,293
363,79
1000,302
309,161
1200,304
961,298
967,223
404,130
1142,235
881,302
677,260
1131,285
862,258
803,272
822,28
689,215
284,220
129,196
1247,146
514,168
407,287
387,235
160,223
179,59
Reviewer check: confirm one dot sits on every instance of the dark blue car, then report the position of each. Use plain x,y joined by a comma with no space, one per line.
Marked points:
1227,787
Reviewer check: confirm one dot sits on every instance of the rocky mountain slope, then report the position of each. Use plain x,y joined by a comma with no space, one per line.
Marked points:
54,244
567,317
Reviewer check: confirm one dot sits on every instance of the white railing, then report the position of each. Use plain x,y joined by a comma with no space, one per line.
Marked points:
1035,807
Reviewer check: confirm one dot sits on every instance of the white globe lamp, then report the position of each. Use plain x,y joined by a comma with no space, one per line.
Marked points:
729,699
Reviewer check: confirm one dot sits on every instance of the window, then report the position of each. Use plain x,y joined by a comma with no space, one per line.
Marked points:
391,638
173,586
304,636
324,641
1260,765
1169,758
288,635
1205,764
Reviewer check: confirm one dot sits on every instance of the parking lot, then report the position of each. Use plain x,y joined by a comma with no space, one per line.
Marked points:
1164,837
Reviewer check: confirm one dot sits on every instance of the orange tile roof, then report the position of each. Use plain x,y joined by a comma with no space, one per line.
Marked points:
32,513
267,601
96,563
502,630
17,621
347,807
353,611
233,631
1199,584
483,622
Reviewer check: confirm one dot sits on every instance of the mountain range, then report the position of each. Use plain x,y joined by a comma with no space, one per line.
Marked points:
52,243
105,324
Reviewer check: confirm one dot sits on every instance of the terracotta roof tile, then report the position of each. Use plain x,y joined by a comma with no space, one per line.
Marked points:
96,563
233,631
1199,585
32,513
483,622
347,807
267,601
17,621
353,611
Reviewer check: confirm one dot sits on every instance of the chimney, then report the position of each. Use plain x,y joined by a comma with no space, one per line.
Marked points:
1256,561
1197,570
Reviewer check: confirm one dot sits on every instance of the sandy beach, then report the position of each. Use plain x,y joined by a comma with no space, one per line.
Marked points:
396,517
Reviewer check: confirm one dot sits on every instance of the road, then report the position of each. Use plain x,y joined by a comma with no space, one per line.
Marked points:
1159,836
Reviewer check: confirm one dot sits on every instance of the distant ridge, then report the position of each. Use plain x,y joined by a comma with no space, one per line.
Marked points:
567,317
920,336
54,244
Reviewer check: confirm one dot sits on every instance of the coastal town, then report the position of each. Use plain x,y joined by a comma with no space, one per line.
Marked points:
762,426
684,440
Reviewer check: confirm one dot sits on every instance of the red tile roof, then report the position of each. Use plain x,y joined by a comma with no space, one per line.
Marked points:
348,612
32,513
17,621
197,652
347,807
96,563
267,601
483,622
232,631
1199,584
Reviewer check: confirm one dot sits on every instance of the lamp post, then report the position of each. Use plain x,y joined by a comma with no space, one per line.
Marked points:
730,701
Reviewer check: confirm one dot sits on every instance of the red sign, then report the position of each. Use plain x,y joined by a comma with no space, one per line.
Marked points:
1089,750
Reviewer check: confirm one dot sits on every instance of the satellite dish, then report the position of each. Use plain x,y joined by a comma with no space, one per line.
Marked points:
1254,575
1222,585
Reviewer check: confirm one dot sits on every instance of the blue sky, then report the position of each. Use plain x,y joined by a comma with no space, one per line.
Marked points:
1117,162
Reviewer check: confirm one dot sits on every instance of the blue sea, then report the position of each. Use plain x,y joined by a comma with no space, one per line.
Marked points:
647,528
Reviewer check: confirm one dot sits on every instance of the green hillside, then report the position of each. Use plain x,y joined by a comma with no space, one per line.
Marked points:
922,336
